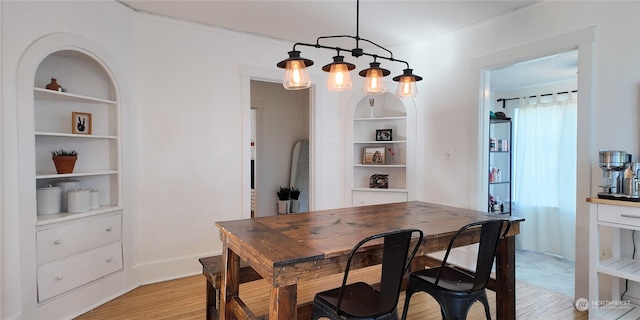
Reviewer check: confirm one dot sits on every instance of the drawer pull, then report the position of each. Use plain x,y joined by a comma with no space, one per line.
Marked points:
630,216
109,260
109,229
57,241
59,277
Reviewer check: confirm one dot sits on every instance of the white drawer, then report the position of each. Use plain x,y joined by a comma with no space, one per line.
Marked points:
365,198
78,236
63,275
619,214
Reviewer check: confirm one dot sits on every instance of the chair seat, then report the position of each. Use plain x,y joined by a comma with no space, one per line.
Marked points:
450,279
356,301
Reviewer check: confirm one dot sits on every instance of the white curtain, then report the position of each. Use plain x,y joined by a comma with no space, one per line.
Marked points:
545,173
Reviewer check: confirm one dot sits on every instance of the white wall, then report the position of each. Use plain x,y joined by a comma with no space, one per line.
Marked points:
190,119
451,94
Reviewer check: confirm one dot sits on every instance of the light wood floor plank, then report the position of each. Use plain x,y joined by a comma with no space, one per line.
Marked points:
184,299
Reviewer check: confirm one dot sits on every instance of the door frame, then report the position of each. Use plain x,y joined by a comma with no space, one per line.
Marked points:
247,74
584,41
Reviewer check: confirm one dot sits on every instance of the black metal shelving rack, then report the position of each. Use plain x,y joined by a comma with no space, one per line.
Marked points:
495,155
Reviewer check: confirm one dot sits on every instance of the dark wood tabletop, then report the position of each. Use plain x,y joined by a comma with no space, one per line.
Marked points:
287,249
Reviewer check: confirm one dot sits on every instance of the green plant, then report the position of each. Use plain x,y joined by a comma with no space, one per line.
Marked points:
284,193
295,193
63,153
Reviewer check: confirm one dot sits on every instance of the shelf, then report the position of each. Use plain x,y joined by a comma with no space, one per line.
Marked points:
621,267
380,119
46,94
379,142
72,135
75,174
501,182
615,310
380,165
47,219
505,152
377,189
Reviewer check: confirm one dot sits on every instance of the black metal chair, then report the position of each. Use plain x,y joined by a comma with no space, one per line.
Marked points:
454,288
362,301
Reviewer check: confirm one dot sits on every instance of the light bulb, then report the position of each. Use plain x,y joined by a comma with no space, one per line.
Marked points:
296,76
407,88
374,82
339,78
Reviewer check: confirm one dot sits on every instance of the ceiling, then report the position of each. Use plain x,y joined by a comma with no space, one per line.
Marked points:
387,23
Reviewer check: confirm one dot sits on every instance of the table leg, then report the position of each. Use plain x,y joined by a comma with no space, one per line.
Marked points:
506,279
230,282
283,304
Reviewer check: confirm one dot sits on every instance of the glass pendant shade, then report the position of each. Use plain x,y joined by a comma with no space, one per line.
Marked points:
406,88
339,76
296,76
407,84
374,79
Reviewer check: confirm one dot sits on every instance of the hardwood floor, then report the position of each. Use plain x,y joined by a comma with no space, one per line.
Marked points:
185,299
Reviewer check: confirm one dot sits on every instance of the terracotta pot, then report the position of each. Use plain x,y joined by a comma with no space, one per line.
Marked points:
64,164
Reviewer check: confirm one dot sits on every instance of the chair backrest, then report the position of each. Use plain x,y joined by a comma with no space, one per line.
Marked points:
491,233
395,262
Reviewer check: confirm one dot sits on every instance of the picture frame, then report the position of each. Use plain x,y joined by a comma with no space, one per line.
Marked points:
81,123
379,181
373,155
384,135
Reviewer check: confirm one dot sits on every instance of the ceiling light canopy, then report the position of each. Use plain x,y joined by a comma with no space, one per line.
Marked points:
296,75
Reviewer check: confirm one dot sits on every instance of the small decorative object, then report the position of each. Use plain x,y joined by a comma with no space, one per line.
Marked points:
284,200
371,102
64,160
295,203
373,155
379,181
384,135
392,155
54,85
81,123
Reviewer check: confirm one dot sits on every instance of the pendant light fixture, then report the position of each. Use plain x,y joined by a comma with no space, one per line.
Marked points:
407,84
339,76
297,76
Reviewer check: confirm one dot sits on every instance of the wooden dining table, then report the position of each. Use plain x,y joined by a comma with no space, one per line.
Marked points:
289,249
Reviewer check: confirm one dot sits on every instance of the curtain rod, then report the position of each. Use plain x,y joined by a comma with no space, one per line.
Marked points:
504,100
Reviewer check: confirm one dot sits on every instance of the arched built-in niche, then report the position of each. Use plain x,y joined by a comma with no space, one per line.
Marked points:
391,179
69,259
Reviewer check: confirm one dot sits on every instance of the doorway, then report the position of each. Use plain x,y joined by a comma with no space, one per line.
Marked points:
279,120
539,95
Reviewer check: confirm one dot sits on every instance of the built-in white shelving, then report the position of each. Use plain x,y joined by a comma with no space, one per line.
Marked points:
75,250
388,113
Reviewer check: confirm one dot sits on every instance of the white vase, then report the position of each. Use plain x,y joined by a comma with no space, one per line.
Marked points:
283,206
295,205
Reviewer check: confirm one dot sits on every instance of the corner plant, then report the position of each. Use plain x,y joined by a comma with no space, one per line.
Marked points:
295,193
64,153
284,193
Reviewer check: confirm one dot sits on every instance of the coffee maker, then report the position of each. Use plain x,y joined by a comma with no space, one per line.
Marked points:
620,176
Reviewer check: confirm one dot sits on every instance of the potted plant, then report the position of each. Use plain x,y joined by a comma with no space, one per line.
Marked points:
64,160
283,200
295,204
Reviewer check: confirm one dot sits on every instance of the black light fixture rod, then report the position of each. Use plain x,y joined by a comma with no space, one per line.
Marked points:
357,21
361,53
